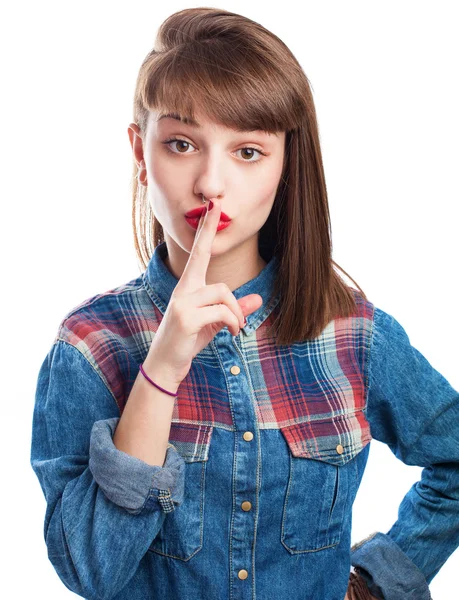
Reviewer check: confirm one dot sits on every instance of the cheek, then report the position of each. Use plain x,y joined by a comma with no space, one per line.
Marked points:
263,200
165,189
267,193
257,210
161,174
159,190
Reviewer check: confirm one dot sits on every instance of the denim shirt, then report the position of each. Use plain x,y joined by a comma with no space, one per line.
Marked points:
267,449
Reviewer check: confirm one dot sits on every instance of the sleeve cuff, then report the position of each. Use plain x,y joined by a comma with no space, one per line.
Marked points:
387,570
130,482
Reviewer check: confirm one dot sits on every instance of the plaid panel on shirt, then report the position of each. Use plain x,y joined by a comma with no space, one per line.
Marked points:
314,391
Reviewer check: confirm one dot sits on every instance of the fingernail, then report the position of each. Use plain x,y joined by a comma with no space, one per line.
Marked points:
211,205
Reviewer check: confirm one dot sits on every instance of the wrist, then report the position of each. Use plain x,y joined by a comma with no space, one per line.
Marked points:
160,375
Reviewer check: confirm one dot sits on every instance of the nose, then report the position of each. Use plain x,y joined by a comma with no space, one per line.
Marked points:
210,182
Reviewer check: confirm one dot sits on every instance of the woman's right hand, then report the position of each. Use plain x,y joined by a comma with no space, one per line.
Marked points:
197,312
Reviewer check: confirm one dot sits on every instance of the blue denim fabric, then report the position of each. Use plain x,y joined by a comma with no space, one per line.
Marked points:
130,482
242,514
414,410
102,504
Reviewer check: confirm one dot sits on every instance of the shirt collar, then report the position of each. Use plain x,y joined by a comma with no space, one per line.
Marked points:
160,283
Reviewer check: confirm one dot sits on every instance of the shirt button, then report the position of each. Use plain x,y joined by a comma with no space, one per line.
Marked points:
242,574
248,436
339,449
235,370
246,505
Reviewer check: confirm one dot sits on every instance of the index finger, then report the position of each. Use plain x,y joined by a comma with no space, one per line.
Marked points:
195,270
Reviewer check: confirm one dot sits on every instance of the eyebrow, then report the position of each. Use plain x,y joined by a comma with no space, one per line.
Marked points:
186,120
189,121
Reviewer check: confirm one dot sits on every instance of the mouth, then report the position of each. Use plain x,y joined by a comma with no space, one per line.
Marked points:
194,222
197,212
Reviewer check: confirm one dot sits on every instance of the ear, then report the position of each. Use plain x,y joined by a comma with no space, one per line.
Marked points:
136,140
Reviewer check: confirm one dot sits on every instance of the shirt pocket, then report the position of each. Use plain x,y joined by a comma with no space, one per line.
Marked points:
181,534
323,480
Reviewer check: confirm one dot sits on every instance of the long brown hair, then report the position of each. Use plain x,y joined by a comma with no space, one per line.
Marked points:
236,72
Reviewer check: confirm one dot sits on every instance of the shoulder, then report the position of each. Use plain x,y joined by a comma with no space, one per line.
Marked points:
377,325
386,329
102,308
360,321
371,319
113,330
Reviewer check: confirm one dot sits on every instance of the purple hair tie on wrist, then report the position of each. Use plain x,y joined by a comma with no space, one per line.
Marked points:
155,384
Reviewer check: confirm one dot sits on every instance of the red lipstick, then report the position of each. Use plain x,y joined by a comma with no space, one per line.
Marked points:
192,218
197,212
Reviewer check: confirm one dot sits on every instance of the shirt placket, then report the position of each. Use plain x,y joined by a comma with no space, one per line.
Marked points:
246,469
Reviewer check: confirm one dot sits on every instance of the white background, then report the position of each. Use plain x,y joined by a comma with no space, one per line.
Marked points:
384,79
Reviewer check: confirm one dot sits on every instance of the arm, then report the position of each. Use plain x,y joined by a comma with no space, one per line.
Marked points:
414,410
103,505
144,428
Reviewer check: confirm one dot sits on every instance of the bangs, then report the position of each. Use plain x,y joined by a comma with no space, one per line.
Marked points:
227,82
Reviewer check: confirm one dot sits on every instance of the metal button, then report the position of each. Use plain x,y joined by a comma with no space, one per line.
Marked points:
248,436
235,370
246,505
242,574
339,449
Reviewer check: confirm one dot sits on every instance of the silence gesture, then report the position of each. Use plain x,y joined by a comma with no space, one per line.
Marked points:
196,311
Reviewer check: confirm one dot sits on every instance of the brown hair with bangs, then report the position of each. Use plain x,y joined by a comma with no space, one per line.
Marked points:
234,71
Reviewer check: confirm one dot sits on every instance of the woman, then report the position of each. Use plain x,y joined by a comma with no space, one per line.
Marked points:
202,430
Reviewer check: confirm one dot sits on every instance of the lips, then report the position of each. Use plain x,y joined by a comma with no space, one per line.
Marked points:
197,212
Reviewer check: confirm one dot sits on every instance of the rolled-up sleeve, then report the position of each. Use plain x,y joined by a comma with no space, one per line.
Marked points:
415,411
130,482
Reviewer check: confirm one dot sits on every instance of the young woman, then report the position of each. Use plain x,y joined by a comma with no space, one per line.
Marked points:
202,430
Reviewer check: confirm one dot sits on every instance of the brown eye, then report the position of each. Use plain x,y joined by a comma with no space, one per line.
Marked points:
178,142
182,146
250,152
168,143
